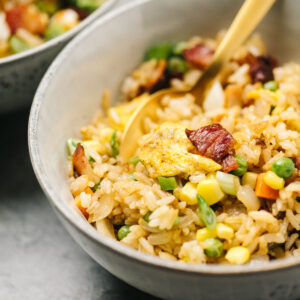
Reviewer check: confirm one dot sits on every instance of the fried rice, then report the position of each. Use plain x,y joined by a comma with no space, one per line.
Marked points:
173,201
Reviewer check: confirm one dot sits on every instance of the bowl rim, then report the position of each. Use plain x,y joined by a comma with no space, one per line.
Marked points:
108,4
82,225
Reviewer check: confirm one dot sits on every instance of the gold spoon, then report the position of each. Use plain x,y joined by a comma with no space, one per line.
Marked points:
248,17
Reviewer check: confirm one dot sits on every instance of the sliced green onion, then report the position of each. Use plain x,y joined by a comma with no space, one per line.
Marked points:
123,232
72,145
134,160
88,5
177,65
214,247
271,86
167,183
206,214
54,30
49,7
146,217
179,47
132,177
283,167
96,186
17,45
114,144
91,159
177,221
243,166
227,182
159,52
271,109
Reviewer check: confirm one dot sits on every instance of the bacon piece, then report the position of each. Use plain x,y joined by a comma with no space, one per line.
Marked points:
261,67
157,78
229,163
27,17
200,55
212,141
81,163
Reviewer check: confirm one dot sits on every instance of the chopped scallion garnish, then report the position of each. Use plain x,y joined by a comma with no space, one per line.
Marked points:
114,144
206,214
132,177
134,160
167,183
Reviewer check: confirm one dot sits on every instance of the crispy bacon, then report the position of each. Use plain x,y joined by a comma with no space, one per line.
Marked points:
212,141
200,55
229,163
81,163
27,17
261,67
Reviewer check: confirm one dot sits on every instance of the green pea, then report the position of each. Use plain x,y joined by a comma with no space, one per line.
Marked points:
159,52
214,247
123,232
283,167
146,217
206,215
177,65
271,86
243,166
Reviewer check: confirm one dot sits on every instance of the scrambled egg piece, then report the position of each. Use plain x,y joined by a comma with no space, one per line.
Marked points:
165,151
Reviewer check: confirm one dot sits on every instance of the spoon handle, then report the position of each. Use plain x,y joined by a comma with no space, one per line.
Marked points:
248,17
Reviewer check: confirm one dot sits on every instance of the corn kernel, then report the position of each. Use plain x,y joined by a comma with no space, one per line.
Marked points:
224,232
208,164
294,124
273,181
250,179
205,233
257,93
238,255
210,190
188,193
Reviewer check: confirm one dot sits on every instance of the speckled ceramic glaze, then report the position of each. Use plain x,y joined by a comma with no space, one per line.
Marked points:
20,74
99,58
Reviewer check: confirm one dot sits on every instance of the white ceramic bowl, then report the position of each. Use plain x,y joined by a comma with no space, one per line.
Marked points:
99,58
21,73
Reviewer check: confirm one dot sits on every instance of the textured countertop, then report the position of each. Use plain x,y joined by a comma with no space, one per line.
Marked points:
38,258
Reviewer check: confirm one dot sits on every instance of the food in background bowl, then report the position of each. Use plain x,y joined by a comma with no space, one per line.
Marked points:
27,24
212,184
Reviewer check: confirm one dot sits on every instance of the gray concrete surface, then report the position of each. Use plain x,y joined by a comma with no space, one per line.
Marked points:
38,258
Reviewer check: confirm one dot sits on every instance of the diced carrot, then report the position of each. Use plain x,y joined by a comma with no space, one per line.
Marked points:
82,209
27,17
264,191
88,190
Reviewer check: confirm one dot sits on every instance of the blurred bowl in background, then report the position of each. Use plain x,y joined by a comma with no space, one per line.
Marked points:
21,73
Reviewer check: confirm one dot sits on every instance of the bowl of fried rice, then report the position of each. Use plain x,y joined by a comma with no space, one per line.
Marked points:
32,32
208,204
